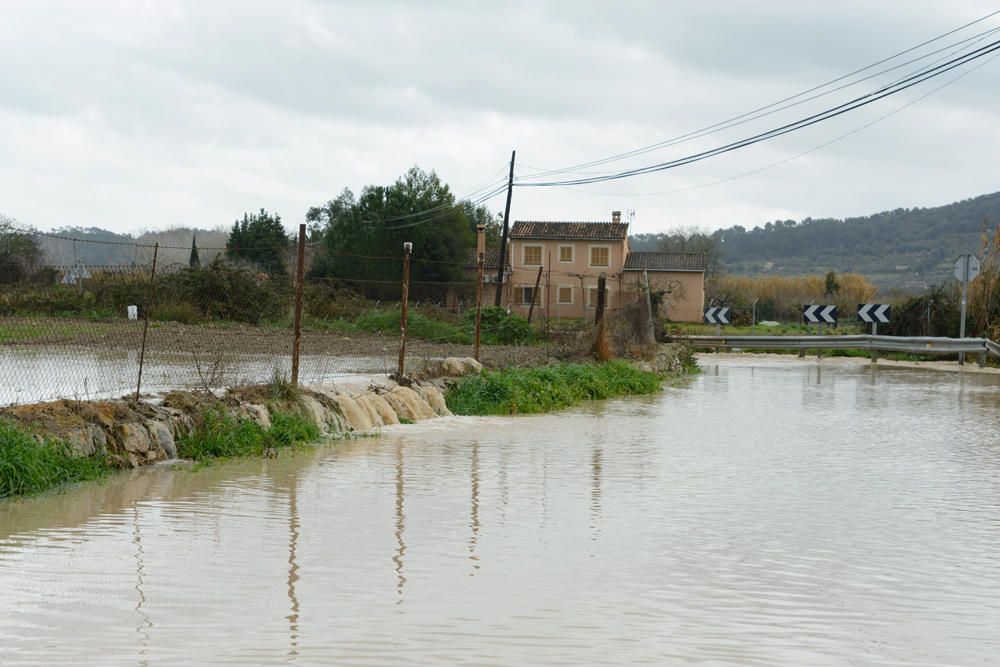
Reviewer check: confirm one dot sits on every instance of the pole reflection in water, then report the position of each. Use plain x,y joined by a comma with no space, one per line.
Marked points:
397,559
145,624
293,567
474,507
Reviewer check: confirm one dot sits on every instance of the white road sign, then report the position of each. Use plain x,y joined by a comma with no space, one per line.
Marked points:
966,263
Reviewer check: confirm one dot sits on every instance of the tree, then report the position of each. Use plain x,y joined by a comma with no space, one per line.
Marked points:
260,239
831,286
418,208
194,261
694,241
20,253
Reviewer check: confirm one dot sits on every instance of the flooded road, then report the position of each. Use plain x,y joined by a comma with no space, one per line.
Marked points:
770,511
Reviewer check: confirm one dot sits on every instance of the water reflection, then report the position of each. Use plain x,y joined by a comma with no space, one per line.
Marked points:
474,505
713,523
145,624
293,567
400,525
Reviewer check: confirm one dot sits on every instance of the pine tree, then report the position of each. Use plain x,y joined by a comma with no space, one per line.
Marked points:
194,262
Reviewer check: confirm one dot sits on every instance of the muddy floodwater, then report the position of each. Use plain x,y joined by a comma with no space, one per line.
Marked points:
769,511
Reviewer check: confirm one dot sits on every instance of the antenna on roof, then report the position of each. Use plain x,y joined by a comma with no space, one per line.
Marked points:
631,216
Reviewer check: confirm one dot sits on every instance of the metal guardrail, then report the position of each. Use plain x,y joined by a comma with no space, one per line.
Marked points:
913,345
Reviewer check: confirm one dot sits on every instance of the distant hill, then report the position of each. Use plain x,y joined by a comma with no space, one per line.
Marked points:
904,249
93,246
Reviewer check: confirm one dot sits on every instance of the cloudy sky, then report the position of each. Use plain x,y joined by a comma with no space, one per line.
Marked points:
136,114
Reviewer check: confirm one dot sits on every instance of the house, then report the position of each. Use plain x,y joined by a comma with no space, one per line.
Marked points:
565,259
677,278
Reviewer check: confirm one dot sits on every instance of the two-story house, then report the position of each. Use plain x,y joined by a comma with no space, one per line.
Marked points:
565,259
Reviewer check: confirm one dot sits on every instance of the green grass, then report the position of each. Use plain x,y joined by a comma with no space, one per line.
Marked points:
27,466
219,435
534,390
19,332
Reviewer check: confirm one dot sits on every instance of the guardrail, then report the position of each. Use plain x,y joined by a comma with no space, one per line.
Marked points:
979,347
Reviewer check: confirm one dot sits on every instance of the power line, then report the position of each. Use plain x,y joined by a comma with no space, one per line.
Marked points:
746,117
864,100
797,155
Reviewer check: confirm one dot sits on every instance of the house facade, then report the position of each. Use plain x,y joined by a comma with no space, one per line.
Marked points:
556,266
565,260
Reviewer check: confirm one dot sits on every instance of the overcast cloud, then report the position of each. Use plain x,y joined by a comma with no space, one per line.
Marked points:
136,115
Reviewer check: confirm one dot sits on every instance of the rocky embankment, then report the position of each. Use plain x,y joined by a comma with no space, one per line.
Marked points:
134,434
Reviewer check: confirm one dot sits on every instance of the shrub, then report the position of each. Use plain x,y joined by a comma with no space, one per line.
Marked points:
498,327
532,390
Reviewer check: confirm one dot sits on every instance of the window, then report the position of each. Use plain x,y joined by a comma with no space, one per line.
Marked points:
527,294
566,254
532,255
592,297
564,295
600,255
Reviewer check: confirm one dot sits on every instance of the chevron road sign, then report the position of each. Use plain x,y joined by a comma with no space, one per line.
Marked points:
820,314
717,315
878,313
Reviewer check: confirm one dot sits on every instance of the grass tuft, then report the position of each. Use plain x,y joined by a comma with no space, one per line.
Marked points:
28,466
220,435
534,390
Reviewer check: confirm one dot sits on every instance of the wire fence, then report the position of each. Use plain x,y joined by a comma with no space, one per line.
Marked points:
88,331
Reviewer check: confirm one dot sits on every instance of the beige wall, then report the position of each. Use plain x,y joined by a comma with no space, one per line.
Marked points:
685,301
558,274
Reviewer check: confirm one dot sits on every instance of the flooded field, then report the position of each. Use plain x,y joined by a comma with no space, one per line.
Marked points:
770,511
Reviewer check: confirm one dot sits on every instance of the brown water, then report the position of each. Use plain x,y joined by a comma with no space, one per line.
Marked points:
769,512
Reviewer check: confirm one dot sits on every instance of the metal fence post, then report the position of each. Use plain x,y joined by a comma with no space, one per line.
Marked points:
480,264
299,283
401,368
145,321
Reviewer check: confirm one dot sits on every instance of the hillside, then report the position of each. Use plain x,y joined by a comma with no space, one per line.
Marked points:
904,248
99,247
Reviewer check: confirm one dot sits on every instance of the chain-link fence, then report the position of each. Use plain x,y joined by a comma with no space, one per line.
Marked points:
89,331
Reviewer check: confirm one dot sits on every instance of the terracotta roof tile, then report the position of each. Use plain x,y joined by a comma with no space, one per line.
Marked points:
570,231
492,259
664,261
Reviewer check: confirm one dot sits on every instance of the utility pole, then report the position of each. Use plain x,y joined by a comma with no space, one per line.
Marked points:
503,236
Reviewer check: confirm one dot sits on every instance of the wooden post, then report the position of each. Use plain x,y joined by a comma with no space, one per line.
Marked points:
648,327
481,264
548,293
401,368
601,286
534,293
145,321
503,236
300,267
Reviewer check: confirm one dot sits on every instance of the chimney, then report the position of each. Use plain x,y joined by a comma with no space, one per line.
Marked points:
616,216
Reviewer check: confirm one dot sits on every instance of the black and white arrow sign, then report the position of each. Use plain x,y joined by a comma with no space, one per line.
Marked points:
874,312
717,315
820,314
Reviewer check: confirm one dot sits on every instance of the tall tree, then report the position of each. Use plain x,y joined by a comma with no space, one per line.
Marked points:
194,261
19,252
693,241
260,239
418,208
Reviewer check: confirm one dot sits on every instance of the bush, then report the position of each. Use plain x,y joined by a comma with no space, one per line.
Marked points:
532,390
498,327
